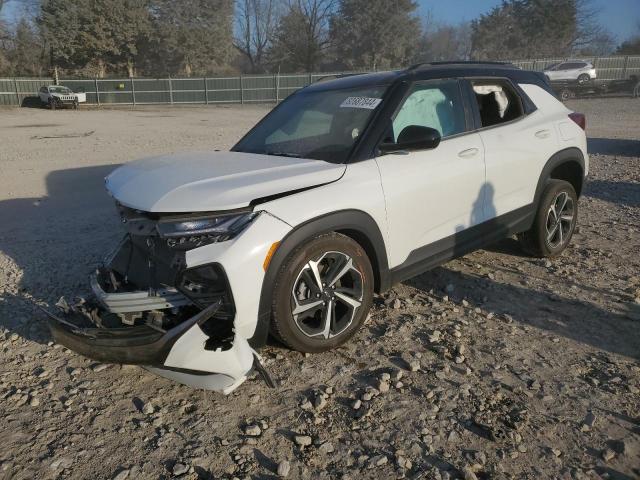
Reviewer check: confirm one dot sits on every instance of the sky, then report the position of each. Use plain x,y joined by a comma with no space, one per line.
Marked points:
621,17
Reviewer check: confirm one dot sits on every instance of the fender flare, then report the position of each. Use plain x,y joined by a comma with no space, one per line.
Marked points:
354,223
571,154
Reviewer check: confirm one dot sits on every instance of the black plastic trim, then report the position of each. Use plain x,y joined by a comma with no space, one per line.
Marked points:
459,244
128,345
355,221
571,154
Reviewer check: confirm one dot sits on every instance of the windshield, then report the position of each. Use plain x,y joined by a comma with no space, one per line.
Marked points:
63,90
323,125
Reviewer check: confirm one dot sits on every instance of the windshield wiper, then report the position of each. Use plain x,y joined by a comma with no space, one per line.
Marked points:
284,154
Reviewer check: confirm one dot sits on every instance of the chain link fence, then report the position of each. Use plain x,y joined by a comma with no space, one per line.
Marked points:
237,90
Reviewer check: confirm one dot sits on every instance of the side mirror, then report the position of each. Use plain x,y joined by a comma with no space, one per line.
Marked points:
413,137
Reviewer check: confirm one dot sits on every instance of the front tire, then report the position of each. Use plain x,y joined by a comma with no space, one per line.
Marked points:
584,78
322,294
52,104
555,221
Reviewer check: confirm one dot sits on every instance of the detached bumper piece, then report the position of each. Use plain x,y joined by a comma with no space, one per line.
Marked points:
158,351
150,310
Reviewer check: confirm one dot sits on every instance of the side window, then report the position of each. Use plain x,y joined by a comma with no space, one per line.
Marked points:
497,102
432,104
564,66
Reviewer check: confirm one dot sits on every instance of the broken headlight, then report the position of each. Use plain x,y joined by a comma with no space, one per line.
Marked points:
187,233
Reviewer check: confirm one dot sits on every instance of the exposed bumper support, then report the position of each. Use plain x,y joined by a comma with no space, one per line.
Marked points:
139,301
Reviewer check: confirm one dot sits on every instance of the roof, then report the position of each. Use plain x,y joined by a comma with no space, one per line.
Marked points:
355,81
430,71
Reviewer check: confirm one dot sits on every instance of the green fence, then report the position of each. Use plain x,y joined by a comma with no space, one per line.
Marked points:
240,89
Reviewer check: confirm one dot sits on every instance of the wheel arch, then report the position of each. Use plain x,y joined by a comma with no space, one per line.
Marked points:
568,165
356,224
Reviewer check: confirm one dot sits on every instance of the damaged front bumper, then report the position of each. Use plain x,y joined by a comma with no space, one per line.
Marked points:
173,311
152,348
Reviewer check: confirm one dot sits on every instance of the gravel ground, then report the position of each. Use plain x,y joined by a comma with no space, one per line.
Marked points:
495,365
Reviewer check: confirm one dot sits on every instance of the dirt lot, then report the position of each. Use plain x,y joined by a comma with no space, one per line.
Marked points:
492,366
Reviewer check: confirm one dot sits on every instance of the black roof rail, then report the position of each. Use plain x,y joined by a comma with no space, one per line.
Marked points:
459,62
334,76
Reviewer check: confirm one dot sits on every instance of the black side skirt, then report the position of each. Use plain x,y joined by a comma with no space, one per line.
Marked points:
459,244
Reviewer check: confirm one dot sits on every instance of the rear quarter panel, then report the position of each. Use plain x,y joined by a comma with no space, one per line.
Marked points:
568,132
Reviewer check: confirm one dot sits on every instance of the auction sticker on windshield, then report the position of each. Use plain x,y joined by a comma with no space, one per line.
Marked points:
361,102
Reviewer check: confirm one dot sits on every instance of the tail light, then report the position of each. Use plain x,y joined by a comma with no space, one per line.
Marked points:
580,119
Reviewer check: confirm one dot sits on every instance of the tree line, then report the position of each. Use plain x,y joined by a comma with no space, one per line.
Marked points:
207,37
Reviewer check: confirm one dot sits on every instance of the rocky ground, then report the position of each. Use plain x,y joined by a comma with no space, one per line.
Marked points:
492,366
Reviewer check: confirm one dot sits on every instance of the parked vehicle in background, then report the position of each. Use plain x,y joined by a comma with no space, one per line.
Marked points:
55,96
567,90
81,94
345,188
571,70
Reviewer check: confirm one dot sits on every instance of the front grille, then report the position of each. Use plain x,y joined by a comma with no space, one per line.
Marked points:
147,263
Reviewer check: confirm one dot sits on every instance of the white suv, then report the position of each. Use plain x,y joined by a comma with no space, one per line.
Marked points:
55,96
578,70
347,187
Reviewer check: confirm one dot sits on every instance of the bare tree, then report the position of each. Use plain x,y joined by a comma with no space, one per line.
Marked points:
441,42
302,38
257,21
631,46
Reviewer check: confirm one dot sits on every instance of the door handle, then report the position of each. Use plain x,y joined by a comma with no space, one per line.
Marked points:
543,133
469,152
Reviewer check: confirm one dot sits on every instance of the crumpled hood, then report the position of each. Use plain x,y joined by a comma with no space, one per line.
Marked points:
212,181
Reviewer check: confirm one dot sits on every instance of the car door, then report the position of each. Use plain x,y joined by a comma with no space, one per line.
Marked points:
516,142
574,69
432,194
561,72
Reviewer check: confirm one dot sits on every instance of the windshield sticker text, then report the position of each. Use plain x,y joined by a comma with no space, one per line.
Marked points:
361,102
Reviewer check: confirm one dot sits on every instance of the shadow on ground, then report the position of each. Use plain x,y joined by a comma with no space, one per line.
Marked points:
54,240
613,146
577,320
622,193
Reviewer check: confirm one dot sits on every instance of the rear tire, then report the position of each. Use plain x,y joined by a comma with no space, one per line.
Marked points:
322,294
554,222
566,94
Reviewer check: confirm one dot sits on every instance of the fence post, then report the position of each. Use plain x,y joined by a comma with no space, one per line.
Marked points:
626,65
133,91
97,91
310,78
206,92
170,91
241,92
276,82
15,85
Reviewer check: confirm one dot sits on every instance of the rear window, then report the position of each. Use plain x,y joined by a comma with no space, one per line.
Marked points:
497,102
